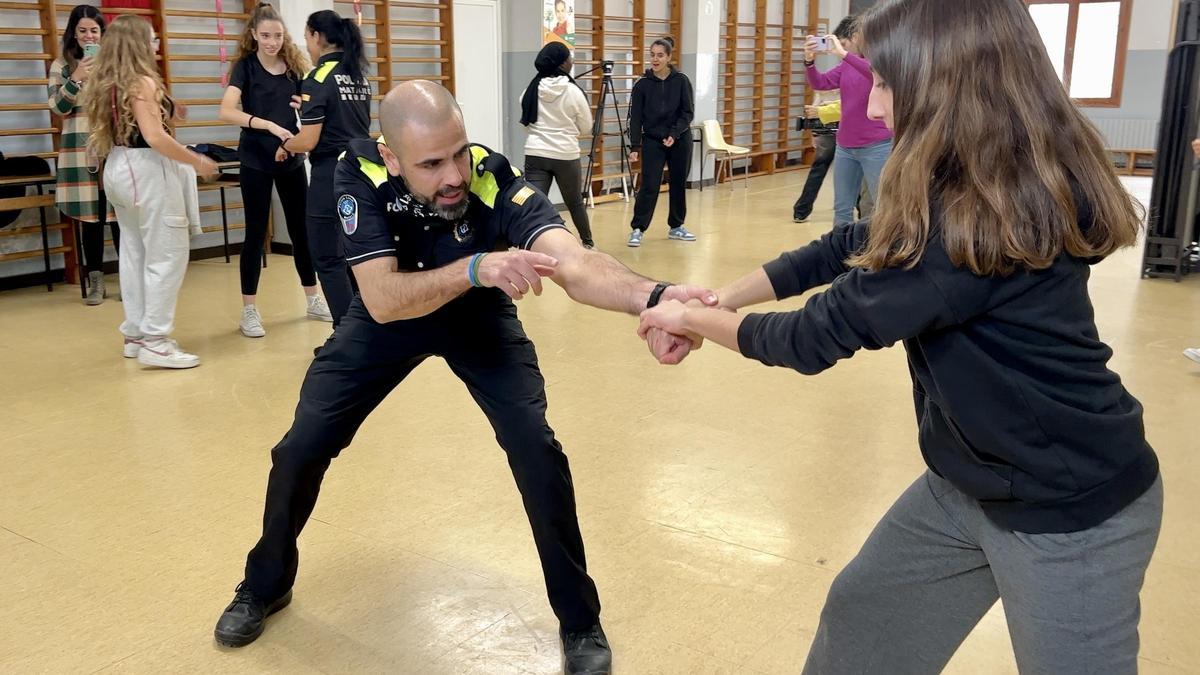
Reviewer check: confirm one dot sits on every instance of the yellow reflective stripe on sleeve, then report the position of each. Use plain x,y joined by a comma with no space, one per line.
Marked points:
324,70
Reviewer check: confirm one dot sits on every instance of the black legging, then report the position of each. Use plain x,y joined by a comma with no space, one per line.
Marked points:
93,239
539,171
677,158
256,196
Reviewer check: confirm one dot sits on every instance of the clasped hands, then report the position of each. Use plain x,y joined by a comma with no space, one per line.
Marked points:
662,326
520,272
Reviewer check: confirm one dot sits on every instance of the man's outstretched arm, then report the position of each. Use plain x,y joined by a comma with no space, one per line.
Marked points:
600,280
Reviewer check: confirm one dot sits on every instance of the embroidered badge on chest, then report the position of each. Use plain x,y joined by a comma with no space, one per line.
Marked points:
463,233
347,208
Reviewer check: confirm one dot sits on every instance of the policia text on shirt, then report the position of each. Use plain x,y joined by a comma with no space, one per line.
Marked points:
426,219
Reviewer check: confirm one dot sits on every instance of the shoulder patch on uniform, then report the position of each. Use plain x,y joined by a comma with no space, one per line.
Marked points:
347,210
522,196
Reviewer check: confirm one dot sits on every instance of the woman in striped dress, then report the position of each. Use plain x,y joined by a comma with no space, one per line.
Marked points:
78,190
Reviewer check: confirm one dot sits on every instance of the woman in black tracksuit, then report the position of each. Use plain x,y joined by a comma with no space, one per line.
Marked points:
661,111
335,109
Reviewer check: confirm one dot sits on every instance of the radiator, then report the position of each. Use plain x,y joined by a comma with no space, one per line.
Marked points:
1128,134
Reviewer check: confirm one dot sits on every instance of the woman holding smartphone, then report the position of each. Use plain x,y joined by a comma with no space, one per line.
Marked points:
265,76
78,190
150,178
863,144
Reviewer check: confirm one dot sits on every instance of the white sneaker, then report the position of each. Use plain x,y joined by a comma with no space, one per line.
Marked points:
317,309
1193,354
635,239
165,353
251,324
132,345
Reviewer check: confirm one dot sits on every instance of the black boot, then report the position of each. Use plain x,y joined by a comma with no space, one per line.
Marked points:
586,652
245,617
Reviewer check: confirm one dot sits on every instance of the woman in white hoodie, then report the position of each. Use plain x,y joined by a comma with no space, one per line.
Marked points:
555,111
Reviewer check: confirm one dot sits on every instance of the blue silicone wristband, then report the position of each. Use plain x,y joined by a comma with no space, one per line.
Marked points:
473,270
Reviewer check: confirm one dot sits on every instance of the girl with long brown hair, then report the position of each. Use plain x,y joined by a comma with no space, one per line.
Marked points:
150,179
1041,489
265,77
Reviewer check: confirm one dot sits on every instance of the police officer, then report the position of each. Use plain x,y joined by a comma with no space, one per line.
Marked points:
427,219
335,109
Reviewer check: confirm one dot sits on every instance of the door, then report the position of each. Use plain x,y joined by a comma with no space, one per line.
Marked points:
477,74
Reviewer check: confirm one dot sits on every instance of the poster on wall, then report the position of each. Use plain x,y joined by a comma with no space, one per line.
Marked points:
558,22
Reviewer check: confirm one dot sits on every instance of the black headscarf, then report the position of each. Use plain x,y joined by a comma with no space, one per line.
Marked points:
549,63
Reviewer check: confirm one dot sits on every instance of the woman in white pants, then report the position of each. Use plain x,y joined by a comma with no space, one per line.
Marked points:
150,180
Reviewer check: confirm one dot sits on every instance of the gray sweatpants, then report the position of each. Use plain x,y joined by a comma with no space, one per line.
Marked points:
935,564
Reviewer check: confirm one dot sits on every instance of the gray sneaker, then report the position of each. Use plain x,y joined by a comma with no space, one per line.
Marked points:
1193,354
96,290
681,234
635,239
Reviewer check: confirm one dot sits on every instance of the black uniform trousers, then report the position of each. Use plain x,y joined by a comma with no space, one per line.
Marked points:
325,241
826,149
655,155
484,344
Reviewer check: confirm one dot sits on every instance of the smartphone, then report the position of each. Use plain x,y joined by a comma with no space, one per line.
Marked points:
90,50
823,44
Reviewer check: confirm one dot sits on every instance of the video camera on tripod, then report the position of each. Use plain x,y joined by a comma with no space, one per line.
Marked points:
815,124
607,96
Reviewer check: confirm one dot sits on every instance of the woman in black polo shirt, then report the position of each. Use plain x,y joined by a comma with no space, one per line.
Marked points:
265,76
335,109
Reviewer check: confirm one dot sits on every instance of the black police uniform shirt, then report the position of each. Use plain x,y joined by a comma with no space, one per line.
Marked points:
379,217
331,97
267,96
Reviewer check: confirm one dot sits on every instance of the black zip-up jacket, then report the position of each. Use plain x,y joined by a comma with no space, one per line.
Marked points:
660,108
1015,403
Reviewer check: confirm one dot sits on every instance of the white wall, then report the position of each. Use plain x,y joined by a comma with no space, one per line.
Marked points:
1150,24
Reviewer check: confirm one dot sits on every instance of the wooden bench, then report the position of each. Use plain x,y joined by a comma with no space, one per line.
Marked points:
1131,158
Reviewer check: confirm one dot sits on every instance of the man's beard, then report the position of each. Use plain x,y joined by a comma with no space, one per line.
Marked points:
451,213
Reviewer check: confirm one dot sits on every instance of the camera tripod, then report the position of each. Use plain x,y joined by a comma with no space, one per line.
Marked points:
607,93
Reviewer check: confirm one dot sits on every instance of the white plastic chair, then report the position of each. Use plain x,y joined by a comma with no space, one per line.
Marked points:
714,144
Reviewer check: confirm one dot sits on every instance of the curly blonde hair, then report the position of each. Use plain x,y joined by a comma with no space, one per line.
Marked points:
117,79
296,60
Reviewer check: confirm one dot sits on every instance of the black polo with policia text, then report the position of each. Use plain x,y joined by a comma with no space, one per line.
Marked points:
380,217
331,97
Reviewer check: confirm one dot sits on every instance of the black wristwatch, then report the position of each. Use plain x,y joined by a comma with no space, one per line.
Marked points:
656,294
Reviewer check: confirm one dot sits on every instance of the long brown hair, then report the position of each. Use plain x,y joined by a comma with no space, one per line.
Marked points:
72,52
987,135
118,77
293,57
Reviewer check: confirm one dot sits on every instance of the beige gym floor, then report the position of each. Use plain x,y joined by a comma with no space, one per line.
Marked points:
717,499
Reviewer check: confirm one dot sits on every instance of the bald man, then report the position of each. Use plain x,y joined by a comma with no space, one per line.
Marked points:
442,236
